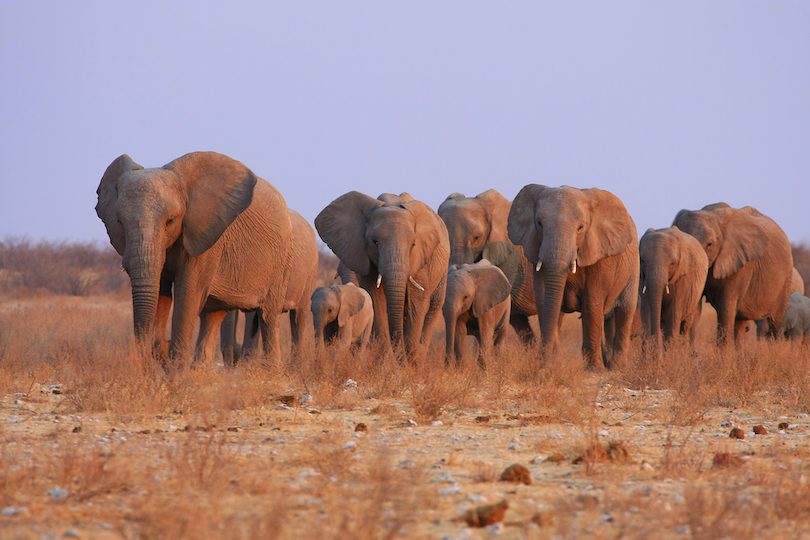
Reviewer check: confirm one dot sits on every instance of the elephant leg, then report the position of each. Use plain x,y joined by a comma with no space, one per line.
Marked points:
210,323
268,322
739,330
432,315
164,308
250,341
227,340
623,317
520,323
460,345
183,321
592,325
726,312
486,341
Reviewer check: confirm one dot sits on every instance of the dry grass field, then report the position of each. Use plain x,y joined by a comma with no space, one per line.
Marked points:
96,441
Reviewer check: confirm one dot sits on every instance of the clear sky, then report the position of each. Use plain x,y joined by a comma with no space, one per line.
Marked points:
668,105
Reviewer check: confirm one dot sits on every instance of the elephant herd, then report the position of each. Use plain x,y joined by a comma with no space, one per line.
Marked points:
205,235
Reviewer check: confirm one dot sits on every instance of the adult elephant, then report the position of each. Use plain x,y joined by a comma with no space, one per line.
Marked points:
586,248
208,229
750,265
297,298
477,227
673,273
399,250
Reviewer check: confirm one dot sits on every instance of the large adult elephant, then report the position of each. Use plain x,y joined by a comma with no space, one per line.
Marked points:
297,298
477,227
750,265
399,250
586,251
673,273
208,229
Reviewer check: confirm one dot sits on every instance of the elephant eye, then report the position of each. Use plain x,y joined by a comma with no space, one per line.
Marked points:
580,227
539,224
169,221
374,242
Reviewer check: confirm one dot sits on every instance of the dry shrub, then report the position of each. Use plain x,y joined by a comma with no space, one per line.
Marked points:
725,460
485,472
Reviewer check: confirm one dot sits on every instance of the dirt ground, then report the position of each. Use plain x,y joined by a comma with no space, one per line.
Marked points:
297,465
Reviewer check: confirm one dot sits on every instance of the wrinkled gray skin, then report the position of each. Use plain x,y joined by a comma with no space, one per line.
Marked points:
477,230
403,242
205,229
478,302
750,265
673,272
301,283
796,324
342,315
585,247
346,275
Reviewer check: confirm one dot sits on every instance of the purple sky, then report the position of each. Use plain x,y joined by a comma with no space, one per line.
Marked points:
668,105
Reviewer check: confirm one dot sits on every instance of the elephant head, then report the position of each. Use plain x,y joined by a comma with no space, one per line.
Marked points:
730,237
332,307
473,223
561,230
386,243
187,204
474,289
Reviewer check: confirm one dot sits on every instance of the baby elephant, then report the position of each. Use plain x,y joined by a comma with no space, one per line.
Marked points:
342,313
796,323
478,302
673,273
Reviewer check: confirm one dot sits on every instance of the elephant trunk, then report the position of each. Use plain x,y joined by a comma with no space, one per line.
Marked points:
319,325
144,265
395,271
450,321
555,270
653,297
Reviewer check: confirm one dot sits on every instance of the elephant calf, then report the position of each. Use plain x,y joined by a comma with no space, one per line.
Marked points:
478,301
796,323
343,314
673,273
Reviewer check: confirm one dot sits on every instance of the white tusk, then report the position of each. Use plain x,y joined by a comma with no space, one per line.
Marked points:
539,264
574,267
644,290
336,275
379,279
415,284
667,289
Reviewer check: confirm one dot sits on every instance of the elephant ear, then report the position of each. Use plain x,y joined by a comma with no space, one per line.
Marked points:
351,302
611,230
108,199
497,209
218,189
430,229
492,288
521,224
745,239
342,225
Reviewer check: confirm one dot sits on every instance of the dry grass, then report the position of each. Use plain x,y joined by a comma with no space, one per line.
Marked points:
211,453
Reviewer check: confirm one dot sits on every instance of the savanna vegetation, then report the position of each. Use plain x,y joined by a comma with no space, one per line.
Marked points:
97,441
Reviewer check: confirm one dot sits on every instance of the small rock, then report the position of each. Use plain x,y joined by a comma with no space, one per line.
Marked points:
361,427
284,407
683,529
783,425
436,423
57,493
303,400
556,457
801,415
725,423
482,419
347,445
77,429
737,433
12,511
350,384
516,473
646,466
484,516
71,533
543,519
452,490
287,400
410,422
760,430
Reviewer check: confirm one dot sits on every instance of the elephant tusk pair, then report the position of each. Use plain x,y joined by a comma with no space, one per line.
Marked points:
415,284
